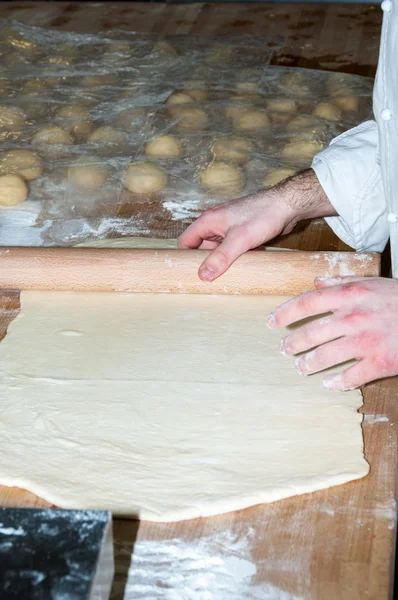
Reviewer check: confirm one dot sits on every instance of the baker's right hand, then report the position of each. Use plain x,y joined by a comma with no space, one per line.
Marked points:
230,229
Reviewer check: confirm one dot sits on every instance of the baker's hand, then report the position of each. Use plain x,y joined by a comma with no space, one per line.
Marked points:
363,326
235,227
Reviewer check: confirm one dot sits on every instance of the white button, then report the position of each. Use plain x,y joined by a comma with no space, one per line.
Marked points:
386,114
386,5
391,217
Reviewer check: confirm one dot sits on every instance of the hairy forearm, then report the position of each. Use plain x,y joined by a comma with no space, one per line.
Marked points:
304,196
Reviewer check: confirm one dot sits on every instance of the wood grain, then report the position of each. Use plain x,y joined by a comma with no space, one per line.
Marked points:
173,271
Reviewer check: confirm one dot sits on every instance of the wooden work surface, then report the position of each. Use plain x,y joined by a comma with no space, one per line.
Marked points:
337,543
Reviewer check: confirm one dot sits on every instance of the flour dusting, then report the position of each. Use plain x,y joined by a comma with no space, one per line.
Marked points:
372,419
339,260
213,567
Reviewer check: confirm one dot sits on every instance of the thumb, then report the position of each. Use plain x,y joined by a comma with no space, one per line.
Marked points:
221,258
324,282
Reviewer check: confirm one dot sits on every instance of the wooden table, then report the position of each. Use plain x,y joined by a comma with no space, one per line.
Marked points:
337,543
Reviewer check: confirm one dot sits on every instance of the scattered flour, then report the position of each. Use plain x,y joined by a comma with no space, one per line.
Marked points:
338,259
213,567
372,419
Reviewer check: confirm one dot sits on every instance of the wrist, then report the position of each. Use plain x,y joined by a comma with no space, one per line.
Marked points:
304,197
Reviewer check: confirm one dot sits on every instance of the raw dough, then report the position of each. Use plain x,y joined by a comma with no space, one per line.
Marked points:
22,162
76,120
222,176
327,111
48,137
88,173
274,177
13,190
166,407
107,136
164,146
191,119
145,178
251,120
232,148
11,118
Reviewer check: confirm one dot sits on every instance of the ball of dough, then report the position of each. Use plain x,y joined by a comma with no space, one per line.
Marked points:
295,82
164,47
107,135
286,105
221,53
132,118
34,88
98,80
251,120
305,125
145,178
233,149
22,162
176,100
327,111
301,151
278,175
88,173
76,120
52,135
196,89
164,146
11,118
248,86
222,177
346,103
191,119
13,190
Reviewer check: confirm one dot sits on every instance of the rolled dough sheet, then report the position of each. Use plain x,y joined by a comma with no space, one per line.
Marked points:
165,407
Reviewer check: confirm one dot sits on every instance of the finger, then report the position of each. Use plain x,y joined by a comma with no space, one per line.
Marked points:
191,238
328,355
353,377
314,303
323,282
314,334
208,245
219,261
208,226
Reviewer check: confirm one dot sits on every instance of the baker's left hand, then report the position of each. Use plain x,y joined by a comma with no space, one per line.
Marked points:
363,325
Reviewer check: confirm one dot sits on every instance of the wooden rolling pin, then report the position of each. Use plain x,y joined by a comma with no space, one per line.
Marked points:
172,271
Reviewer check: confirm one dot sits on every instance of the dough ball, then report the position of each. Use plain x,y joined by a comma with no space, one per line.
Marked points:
222,177
88,173
305,124
34,88
191,119
296,83
301,151
274,177
251,120
164,146
243,103
197,90
52,135
164,47
346,103
176,100
232,149
145,178
221,53
132,118
247,86
4,87
91,81
76,120
107,136
327,111
338,83
285,105
11,118
13,190
22,162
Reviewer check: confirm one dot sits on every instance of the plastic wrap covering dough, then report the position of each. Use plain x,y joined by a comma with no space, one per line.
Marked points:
165,407
208,117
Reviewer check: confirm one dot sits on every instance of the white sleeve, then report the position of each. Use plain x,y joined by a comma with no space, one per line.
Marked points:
349,173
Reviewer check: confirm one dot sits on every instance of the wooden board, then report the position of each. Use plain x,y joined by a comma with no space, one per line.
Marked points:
334,544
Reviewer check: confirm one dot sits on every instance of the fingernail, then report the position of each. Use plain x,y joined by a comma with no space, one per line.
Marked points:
207,273
299,367
271,321
282,348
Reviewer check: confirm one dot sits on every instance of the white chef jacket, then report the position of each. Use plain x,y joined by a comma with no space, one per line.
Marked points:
359,170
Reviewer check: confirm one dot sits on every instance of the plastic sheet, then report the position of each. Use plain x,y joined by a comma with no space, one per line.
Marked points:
107,99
